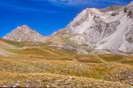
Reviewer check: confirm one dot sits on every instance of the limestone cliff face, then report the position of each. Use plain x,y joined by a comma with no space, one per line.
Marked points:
103,29
24,33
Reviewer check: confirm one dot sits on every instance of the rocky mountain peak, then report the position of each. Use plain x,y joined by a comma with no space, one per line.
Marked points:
24,33
23,27
81,17
131,3
102,29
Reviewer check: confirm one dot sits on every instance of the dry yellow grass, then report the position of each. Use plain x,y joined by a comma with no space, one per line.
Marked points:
44,63
26,65
48,80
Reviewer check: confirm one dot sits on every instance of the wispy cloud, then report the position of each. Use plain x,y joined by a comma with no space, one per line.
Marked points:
41,6
71,2
87,2
56,6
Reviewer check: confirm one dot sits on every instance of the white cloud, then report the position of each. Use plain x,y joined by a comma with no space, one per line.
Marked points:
86,2
71,2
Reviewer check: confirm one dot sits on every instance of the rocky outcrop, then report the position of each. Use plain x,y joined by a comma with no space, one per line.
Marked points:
102,29
24,33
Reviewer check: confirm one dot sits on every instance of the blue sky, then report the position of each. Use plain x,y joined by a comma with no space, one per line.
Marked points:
45,16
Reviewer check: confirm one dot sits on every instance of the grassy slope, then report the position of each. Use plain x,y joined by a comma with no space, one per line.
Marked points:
45,64
22,68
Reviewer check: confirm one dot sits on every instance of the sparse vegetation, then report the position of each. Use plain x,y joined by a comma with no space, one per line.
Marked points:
18,44
111,57
44,64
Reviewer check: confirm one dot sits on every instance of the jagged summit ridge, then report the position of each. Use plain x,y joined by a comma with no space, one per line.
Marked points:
102,29
24,33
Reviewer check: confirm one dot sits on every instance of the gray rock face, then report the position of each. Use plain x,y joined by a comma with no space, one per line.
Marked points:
94,28
24,33
104,29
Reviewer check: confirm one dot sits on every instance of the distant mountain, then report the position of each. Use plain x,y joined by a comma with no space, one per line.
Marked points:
24,33
108,29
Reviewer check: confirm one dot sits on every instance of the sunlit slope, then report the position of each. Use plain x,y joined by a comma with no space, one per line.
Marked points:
45,63
21,69
4,46
47,80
